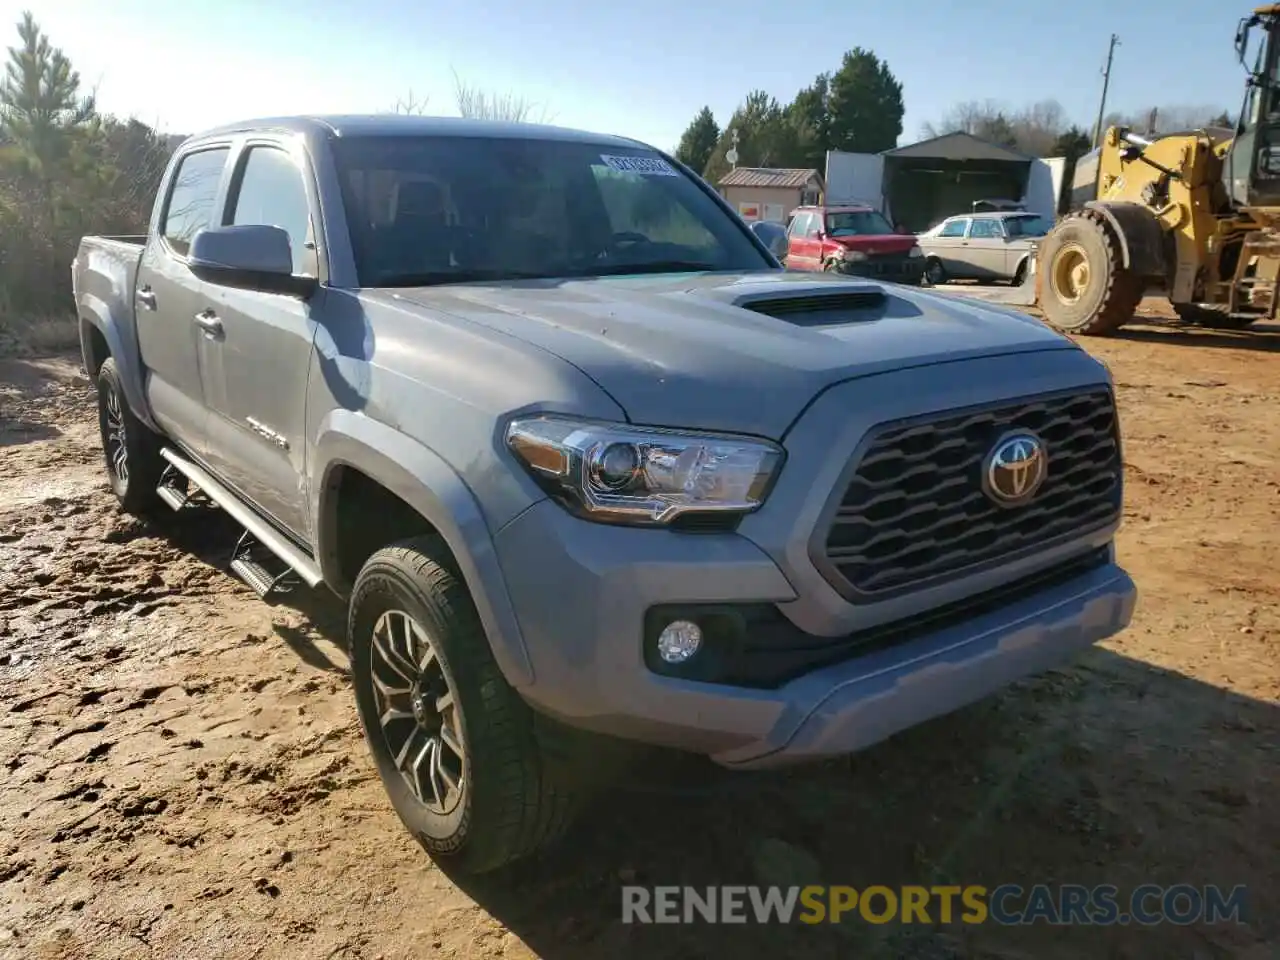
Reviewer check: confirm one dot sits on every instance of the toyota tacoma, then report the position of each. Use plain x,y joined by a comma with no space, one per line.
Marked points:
586,464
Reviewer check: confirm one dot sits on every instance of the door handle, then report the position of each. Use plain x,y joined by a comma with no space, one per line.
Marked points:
209,324
146,299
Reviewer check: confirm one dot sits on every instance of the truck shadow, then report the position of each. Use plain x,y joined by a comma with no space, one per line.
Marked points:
1263,337
1112,771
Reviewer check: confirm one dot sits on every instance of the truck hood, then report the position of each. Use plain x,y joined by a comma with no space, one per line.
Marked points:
695,350
879,243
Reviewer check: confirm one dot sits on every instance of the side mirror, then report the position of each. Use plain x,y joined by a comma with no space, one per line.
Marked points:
774,236
249,257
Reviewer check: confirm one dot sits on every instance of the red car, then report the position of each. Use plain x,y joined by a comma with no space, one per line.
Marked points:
854,240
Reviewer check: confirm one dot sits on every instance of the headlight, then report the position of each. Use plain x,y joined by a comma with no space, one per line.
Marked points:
915,252
847,254
616,473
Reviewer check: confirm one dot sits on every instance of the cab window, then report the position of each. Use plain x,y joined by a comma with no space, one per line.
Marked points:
191,197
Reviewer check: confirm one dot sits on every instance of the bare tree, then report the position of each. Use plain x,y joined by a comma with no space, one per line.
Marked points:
475,103
1170,118
411,105
1034,129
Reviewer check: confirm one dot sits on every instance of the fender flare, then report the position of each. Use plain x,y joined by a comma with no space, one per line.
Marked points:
1139,234
122,347
421,478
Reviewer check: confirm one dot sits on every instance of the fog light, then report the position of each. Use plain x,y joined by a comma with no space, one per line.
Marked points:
679,640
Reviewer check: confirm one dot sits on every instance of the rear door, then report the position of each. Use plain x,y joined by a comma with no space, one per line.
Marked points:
168,296
258,360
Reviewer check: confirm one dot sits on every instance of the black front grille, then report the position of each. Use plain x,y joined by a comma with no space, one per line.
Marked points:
915,512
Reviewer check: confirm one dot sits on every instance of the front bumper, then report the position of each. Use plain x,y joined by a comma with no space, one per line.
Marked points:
582,593
581,608
894,269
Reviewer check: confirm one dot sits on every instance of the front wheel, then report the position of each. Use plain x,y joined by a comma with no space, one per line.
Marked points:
454,744
130,450
1084,288
934,273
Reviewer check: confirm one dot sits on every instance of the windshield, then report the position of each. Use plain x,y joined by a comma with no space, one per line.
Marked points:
424,210
1027,226
857,223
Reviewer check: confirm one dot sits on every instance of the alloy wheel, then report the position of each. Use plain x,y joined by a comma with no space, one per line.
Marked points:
417,711
116,440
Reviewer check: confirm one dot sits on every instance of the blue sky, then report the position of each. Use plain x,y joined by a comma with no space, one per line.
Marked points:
637,69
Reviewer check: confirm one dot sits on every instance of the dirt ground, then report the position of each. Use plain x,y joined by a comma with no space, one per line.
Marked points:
182,773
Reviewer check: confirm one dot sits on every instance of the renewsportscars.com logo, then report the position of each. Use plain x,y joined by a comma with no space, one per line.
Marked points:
1008,904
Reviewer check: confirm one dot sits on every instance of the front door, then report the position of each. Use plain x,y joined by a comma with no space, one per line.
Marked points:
987,250
259,346
804,248
168,297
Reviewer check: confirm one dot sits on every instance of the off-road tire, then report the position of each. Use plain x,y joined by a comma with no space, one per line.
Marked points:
135,484
513,802
1213,319
935,273
1110,294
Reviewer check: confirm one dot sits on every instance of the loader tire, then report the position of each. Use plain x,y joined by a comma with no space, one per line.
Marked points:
1084,289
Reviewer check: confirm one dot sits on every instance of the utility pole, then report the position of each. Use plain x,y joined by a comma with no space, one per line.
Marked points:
1106,81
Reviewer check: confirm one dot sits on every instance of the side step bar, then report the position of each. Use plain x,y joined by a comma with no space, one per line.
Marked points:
261,531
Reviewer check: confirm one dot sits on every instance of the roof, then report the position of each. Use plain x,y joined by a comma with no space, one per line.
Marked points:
956,146
769,177
992,215
403,125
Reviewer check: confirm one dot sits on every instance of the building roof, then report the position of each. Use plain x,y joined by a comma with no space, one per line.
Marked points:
956,146
769,177
394,124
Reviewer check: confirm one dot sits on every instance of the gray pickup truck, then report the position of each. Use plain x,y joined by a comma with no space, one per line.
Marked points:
587,465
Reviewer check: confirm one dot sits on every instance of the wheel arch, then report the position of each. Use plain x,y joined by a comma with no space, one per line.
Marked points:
102,336
1137,233
399,467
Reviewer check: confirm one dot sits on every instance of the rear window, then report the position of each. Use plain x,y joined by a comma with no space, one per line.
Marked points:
425,210
1032,226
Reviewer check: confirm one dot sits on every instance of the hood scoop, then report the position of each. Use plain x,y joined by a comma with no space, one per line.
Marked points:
822,309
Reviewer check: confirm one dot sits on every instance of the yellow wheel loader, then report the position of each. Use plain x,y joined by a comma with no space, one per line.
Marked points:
1195,214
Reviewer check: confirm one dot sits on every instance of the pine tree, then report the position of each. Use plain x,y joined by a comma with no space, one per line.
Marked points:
44,123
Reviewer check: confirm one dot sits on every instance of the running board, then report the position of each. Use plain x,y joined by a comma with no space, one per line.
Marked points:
261,531
255,573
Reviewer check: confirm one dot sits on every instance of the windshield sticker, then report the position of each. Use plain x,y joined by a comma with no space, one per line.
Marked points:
654,166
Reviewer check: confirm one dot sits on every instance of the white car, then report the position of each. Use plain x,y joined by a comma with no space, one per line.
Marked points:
982,246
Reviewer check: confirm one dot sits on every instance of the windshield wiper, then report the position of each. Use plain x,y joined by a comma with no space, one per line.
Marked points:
654,266
434,278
